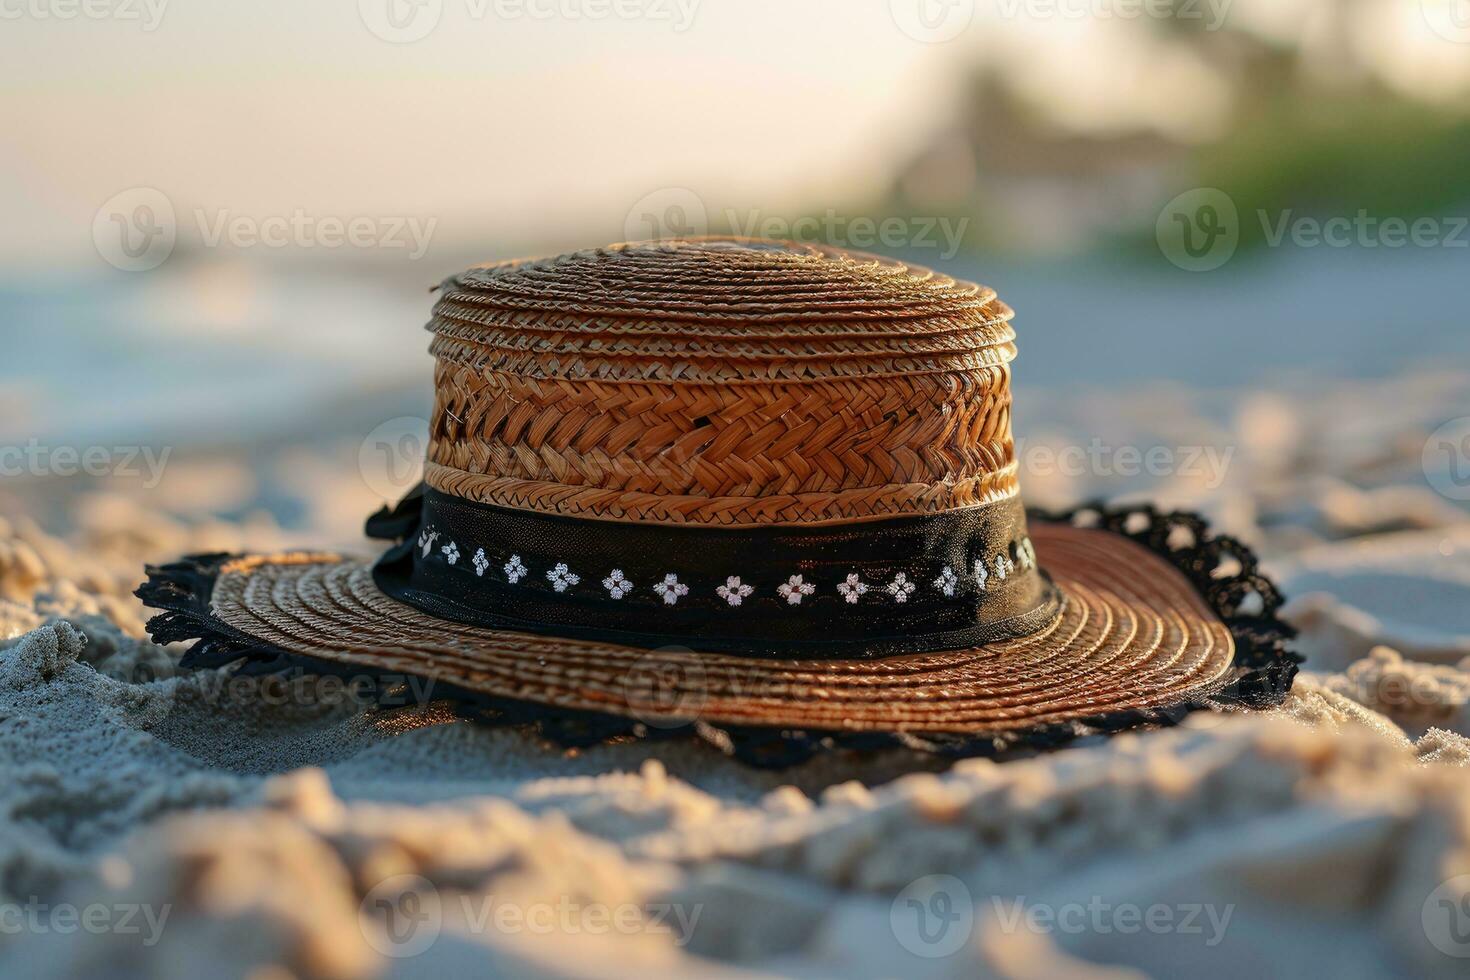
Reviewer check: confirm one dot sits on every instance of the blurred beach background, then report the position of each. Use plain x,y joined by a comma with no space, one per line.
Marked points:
1237,237
179,180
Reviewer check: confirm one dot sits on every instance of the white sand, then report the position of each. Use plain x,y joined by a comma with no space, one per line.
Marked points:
1331,837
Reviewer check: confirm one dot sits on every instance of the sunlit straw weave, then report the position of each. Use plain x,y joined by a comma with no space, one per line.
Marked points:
722,383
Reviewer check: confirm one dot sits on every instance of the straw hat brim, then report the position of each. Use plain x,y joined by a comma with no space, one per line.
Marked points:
1135,635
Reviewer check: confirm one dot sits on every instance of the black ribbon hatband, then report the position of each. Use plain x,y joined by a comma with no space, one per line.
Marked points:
916,584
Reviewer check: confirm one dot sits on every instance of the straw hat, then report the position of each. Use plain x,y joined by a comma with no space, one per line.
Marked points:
762,486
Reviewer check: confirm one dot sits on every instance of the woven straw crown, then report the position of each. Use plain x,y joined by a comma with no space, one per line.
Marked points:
721,382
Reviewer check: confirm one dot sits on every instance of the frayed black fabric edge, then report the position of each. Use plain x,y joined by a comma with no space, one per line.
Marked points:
1223,569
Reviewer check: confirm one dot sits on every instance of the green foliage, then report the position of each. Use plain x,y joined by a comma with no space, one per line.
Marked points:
1327,156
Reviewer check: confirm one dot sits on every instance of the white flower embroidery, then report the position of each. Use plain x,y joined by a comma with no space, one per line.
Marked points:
514,570
1027,552
671,588
852,587
426,540
946,581
481,562
793,589
981,575
616,585
560,577
1003,566
733,591
901,588
451,552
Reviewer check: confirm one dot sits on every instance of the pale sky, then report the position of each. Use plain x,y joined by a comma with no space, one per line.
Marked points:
271,105
497,123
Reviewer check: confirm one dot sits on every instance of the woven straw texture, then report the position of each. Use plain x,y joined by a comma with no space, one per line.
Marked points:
721,382
1134,634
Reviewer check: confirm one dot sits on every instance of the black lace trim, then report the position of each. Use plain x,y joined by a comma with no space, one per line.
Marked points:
1222,568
